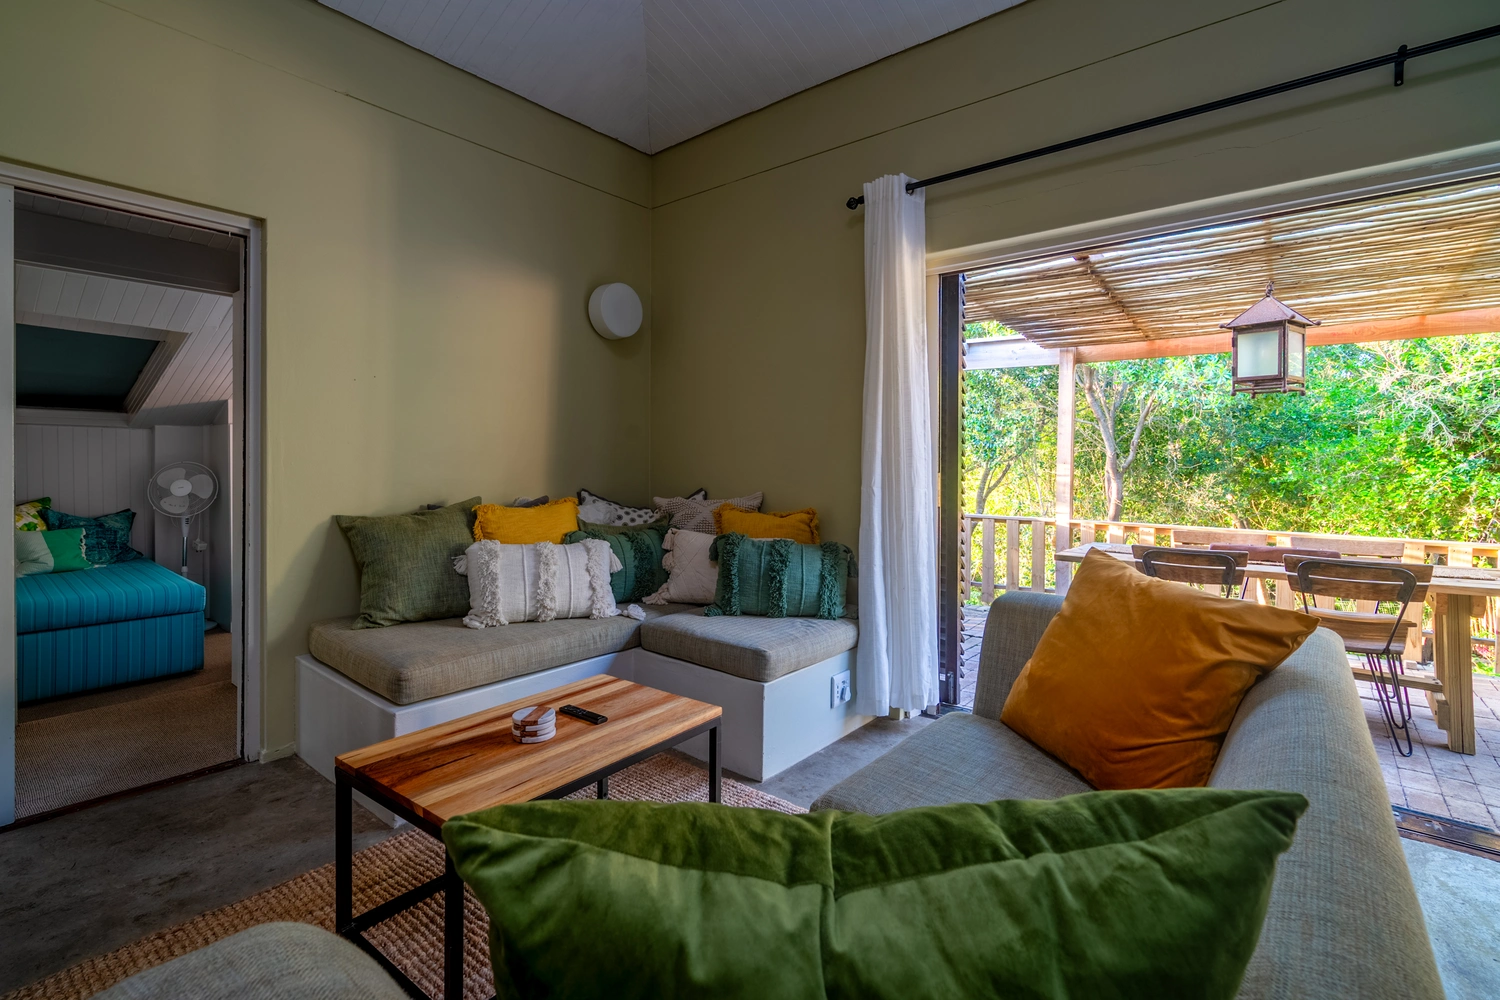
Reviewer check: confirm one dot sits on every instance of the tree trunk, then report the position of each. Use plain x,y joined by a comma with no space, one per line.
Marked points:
1114,486
1105,400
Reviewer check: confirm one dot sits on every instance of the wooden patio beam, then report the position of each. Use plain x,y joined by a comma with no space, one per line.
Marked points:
1009,353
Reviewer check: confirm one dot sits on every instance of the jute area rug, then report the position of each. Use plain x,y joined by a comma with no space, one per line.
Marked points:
413,940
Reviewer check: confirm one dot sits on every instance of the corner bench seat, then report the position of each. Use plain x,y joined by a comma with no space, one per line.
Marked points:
415,661
757,649
772,676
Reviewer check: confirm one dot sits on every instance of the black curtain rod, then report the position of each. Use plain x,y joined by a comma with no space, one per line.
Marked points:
1398,59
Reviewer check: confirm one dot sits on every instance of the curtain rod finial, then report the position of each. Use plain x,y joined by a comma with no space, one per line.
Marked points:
854,202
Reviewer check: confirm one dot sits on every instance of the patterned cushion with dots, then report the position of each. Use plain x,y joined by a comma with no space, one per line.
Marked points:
597,510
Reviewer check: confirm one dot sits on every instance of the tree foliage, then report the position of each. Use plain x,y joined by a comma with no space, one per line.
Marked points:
1395,439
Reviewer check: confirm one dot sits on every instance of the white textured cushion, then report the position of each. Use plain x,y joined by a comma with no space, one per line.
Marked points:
693,514
537,583
692,576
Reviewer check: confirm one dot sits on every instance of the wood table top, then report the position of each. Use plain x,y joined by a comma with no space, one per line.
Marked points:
474,763
1475,581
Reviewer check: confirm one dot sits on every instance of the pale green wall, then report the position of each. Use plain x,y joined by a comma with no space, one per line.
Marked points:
431,239
759,286
430,245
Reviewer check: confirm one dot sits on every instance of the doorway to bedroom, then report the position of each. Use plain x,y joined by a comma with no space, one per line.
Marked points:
128,493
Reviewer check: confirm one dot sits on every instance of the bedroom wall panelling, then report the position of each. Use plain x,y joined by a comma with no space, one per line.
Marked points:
218,530
88,471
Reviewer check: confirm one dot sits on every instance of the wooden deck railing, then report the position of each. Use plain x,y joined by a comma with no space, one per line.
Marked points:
1000,553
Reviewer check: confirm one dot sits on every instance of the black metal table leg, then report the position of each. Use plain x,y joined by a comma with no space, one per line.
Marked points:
714,776
453,933
343,854
603,788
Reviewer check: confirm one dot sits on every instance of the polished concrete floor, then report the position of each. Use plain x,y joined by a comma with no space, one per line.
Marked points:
1457,892
805,781
85,883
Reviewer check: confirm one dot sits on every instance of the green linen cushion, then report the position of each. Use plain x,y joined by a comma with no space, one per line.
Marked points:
1155,893
778,578
106,539
639,551
405,563
59,551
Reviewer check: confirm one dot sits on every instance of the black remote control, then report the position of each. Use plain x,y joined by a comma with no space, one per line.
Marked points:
583,713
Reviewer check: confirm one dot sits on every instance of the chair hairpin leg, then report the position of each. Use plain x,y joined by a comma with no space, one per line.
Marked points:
1384,671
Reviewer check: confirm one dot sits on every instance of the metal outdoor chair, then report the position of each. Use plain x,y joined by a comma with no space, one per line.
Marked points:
1379,638
1269,554
1199,567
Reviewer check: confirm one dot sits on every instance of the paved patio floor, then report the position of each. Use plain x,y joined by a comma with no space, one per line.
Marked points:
1434,779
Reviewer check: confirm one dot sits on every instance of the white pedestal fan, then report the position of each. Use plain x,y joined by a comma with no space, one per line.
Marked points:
184,490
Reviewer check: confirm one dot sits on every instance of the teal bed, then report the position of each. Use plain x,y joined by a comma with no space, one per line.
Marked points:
98,628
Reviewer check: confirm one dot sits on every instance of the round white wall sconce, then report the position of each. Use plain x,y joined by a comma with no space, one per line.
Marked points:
615,311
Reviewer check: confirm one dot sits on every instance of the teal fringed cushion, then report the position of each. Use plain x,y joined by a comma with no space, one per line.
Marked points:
778,578
1132,894
639,551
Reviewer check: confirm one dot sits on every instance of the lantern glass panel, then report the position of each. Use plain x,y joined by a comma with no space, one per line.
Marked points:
1293,352
1258,353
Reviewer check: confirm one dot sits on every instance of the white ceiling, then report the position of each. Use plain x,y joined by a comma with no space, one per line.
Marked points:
652,73
197,368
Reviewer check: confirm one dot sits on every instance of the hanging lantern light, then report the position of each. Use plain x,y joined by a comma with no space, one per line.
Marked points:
1269,352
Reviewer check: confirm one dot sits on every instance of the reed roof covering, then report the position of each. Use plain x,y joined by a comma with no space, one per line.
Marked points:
1418,253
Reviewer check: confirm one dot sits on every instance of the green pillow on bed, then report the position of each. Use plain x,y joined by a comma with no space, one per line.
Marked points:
106,539
49,551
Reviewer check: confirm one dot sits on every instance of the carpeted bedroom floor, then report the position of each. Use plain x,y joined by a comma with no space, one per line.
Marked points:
78,749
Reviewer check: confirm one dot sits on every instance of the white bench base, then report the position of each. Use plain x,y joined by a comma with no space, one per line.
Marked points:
767,727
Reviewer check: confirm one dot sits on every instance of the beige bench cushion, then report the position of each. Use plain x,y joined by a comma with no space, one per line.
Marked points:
416,661
757,649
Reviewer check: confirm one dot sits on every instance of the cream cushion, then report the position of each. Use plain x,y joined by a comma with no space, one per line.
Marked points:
538,582
692,576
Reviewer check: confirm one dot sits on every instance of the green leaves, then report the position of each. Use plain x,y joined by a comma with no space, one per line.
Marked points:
1393,439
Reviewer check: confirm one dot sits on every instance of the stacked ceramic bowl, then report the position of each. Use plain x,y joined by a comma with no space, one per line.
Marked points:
536,724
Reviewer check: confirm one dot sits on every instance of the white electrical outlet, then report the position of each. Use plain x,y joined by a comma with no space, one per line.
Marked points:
840,689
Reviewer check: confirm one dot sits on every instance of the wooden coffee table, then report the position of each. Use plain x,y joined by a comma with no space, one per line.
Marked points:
430,776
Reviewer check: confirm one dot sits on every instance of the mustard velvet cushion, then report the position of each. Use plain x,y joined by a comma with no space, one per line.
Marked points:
1136,680
800,526
526,525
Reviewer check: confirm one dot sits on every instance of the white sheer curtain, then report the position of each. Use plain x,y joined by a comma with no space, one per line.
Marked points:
896,663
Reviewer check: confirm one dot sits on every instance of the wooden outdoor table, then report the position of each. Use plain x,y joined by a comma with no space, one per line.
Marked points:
1451,592
429,776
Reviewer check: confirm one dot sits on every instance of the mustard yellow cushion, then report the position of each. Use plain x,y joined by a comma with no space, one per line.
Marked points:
1136,680
800,526
525,525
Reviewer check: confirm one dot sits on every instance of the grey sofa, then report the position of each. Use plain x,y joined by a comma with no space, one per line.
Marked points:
268,962
1343,920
